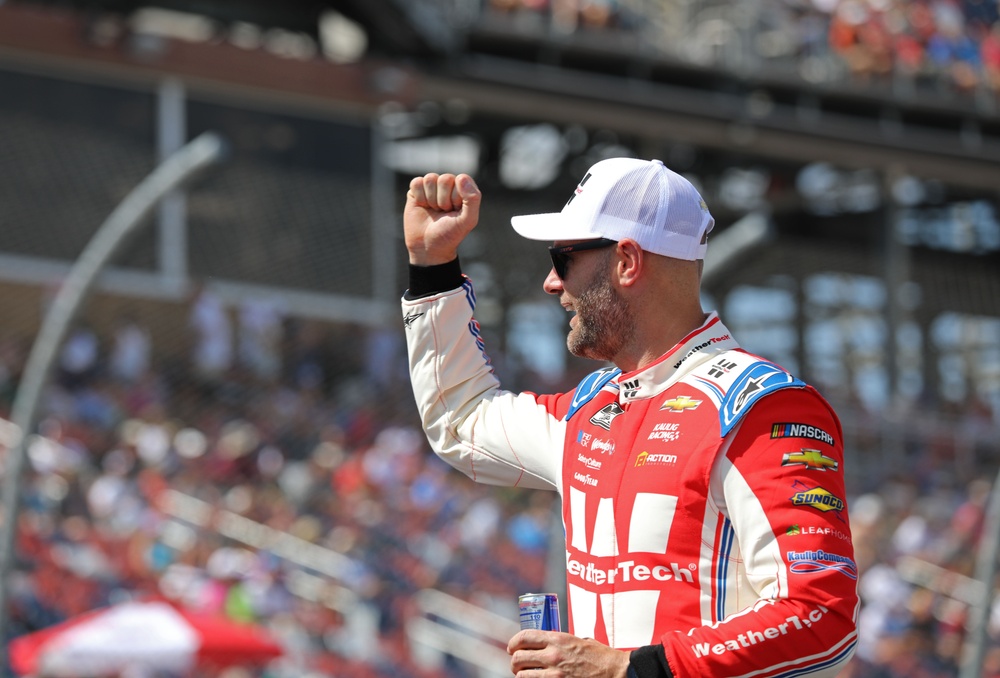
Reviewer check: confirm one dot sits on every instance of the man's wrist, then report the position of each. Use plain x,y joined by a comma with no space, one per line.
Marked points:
426,281
649,661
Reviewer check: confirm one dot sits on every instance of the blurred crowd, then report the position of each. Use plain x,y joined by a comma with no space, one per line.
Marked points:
309,431
304,429
916,43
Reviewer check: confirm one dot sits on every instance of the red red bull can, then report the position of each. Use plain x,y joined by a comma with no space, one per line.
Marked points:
539,611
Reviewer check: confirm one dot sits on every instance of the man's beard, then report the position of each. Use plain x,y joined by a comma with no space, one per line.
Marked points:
604,322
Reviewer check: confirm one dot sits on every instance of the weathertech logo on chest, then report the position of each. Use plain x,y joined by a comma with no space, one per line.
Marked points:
628,571
793,430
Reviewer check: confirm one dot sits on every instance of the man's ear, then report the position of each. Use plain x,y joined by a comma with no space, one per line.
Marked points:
631,260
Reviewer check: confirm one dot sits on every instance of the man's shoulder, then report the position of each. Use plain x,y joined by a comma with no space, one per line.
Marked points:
735,380
590,386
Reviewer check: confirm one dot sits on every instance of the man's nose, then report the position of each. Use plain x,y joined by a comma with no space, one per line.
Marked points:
552,284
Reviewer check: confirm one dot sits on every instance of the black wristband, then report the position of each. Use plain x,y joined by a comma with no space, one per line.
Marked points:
649,662
426,281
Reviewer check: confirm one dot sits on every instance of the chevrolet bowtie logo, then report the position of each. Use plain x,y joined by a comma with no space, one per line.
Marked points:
680,403
811,459
409,318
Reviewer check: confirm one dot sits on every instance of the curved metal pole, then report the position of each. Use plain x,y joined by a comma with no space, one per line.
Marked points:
113,233
986,570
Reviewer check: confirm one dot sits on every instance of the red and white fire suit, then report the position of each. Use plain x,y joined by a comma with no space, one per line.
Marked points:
702,495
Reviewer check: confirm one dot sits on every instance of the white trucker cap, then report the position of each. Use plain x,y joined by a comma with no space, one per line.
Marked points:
629,198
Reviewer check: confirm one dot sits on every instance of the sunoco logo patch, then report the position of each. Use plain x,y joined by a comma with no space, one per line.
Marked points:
818,498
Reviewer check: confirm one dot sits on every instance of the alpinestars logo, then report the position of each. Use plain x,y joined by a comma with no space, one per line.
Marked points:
630,388
606,415
721,368
409,318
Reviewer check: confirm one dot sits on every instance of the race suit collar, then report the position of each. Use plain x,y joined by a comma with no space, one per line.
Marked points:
701,345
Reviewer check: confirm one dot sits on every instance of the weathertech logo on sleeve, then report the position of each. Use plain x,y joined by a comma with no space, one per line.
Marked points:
752,637
793,430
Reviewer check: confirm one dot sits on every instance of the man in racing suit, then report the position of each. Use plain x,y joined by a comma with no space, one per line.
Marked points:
702,486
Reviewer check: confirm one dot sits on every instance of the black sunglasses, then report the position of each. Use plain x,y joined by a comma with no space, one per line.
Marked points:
560,255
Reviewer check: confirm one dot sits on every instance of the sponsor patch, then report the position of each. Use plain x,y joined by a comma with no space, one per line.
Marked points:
699,347
814,460
796,530
630,388
721,368
817,497
647,459
680,404
603,446
665,431
606,415
752,637
810,562
583,438
795,430
627,571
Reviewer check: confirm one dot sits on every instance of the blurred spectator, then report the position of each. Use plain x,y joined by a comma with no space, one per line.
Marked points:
131,350
78,359
260,337
212,354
